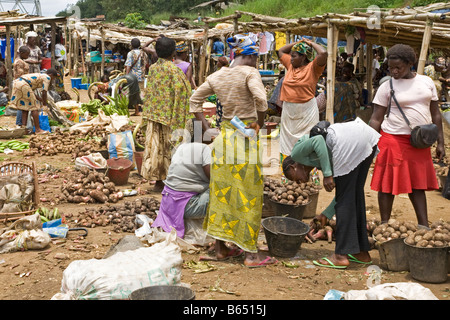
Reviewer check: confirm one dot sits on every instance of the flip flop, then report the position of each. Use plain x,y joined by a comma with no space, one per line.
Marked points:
330,265
263,263
353,259
233,253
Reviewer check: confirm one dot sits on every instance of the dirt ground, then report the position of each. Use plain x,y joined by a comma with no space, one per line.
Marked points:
37,274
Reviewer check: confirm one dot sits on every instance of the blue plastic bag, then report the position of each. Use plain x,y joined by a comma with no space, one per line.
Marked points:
55,228
44,124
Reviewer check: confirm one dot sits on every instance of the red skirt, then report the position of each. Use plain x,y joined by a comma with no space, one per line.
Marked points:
400,168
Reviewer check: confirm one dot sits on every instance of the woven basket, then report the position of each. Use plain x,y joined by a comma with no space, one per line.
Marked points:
17,168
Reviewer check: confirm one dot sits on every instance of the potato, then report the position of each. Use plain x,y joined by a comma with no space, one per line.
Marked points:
428,236
422,243
410,240
438,244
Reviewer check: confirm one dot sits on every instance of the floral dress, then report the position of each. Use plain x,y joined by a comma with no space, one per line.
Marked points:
166,110
23,97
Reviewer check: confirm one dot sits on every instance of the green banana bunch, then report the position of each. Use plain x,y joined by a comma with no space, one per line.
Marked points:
91,106
14,145
47,214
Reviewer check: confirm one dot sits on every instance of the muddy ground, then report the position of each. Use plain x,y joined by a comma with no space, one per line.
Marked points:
37,274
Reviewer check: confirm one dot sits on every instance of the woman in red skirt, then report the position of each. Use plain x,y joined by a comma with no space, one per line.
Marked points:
399,167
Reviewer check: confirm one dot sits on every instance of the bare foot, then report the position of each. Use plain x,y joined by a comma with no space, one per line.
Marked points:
259,259
338,260
159,186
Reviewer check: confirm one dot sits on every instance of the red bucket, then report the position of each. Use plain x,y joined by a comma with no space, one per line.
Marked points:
46,63
119,170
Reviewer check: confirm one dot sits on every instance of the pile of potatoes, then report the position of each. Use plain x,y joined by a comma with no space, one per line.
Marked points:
74,142
393,229
90,186
437,237
122,216
291,192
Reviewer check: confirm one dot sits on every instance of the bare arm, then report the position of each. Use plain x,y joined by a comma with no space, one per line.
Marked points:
377,117
437,120
321,52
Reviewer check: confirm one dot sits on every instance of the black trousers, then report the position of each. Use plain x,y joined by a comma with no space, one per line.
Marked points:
351,230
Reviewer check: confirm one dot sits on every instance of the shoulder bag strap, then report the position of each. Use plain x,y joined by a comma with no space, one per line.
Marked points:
398,105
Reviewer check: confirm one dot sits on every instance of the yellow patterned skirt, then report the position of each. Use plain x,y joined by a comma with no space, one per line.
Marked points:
236,189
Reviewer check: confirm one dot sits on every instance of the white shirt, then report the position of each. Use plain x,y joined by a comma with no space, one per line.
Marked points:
186,168
414,96
350,144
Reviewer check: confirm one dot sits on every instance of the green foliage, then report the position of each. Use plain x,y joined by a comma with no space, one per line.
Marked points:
135,21
135,12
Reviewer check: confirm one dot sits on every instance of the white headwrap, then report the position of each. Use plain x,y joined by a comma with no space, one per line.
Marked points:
30,34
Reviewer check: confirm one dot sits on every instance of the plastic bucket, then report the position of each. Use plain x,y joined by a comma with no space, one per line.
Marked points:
393,255
289,210
267,210
119,170
428,264
46,63
284,235
138,155
76,82
163,293
310,210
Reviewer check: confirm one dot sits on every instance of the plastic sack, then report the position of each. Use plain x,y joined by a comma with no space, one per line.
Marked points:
117,276
121,145
44,124
24,234
55,228
91,161
392,291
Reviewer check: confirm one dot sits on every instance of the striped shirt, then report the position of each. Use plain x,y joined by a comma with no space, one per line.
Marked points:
240,90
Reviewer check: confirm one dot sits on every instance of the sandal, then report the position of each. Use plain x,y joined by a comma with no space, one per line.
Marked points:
353,259
264,263
329,265
233,253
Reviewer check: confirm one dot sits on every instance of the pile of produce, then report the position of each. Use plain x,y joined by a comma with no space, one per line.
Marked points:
13,145
393,229
320,232
437,237
90,186
74,142
291,193
118,105
122,216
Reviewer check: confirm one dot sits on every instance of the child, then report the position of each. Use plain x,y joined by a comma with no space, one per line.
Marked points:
21,67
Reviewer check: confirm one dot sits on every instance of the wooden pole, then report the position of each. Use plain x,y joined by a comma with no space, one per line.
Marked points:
52,44
331,67
425,47
103,52
202,58
8,62
369,71
70,51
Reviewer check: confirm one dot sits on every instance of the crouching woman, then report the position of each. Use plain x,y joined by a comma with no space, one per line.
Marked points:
344,154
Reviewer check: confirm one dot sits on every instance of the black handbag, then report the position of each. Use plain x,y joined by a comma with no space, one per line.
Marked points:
320,129
422,136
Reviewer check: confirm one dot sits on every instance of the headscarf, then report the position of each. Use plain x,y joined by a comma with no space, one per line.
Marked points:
31,34
303,48
241,44
181,46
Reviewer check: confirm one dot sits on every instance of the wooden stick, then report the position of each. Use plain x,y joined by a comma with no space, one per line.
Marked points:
103,52
52,44
425,47
202,58
331,66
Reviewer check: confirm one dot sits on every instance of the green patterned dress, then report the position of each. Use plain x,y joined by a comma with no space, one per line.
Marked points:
236,189
166,110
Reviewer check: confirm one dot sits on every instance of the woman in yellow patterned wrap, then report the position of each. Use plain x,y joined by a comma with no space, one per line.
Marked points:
236,185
